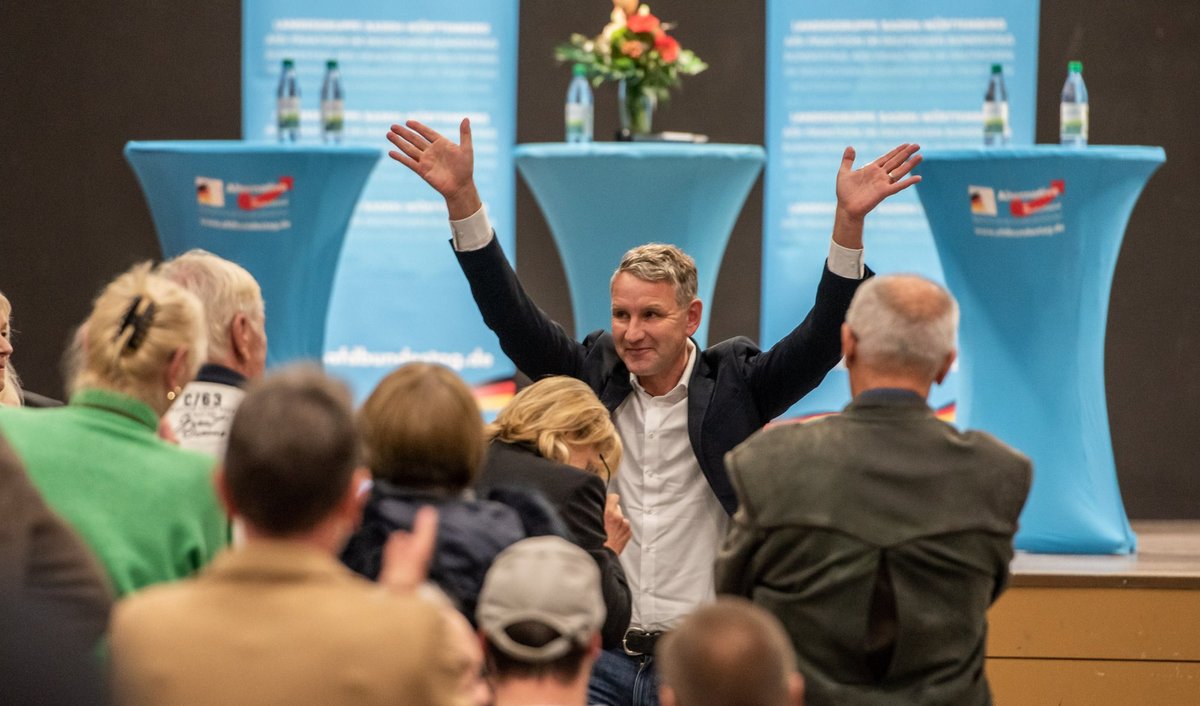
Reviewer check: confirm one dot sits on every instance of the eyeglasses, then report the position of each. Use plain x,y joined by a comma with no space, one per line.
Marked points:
607,470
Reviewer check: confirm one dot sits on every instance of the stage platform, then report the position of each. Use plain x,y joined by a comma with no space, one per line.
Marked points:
1100,630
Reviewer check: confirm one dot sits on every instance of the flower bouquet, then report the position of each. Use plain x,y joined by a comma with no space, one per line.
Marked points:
635,50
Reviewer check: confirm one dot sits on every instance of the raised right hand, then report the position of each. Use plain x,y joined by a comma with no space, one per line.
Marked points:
447,167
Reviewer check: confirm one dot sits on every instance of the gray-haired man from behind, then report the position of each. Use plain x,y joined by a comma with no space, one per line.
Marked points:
237,348
540,614
880,536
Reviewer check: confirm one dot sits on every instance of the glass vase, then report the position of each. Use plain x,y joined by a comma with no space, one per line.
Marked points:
637,108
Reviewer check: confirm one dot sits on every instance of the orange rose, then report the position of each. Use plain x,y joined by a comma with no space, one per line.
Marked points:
642,24
667,48
633,49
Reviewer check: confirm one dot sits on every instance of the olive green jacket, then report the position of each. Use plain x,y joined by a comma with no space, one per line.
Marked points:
879,537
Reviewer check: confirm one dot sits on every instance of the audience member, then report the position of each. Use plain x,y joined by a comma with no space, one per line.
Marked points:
44,658
677,407
54,601
237,347
146,508
539,616
880,536
556,438
10,391
729,653
424,439
278,620
42,559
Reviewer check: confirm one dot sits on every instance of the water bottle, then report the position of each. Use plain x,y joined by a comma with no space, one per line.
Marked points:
333,108
579,111
287,104
995,110
1073,111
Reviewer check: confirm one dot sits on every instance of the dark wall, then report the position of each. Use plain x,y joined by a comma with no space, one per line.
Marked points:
80,80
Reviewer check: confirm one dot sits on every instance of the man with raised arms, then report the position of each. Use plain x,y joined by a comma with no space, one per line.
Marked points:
678,408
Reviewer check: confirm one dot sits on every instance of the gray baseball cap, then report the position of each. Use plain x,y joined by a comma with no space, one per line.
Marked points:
546,580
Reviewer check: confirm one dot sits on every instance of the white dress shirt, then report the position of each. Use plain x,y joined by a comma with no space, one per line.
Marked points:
677,521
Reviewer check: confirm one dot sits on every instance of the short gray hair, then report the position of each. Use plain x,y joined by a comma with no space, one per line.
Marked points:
904,322
225,289
659,262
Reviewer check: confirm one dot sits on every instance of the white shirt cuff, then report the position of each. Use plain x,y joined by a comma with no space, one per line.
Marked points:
844,262
473,232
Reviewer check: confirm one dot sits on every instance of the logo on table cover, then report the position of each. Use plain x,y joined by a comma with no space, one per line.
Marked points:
250,197
210,192
1030,213
1027,203
256,196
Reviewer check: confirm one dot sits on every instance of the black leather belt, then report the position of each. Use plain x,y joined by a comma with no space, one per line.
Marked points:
639,642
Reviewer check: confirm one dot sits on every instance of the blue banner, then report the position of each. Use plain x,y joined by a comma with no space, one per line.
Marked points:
398,295
872,74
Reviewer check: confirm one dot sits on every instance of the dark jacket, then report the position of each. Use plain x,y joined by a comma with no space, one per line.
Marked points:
43,562
578,497
879,537
744,386
470,534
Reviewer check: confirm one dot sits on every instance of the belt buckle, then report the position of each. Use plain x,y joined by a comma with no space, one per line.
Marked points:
636,633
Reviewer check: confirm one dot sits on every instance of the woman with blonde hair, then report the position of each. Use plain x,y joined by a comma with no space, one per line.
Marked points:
10,390
556,438
145,507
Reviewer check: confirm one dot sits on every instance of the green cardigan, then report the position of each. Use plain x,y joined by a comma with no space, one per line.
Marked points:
146,507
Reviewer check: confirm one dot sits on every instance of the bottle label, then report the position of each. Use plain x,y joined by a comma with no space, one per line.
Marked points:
287,112
578,120
995,117
333,115
1073,120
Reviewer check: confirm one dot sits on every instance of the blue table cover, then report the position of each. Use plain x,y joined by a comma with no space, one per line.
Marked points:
601,199
1028,240
280,211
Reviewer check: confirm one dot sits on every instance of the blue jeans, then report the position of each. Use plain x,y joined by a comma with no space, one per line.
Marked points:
621,680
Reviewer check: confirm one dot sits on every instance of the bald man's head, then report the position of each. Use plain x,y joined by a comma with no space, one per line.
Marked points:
730,653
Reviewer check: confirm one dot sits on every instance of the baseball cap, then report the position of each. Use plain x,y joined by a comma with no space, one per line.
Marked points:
546,580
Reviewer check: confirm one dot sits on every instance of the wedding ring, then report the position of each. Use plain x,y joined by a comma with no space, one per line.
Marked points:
891,178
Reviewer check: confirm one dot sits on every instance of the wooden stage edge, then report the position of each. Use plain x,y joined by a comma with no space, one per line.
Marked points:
1101,630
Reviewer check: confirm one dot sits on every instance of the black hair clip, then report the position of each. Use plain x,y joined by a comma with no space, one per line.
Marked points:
140,323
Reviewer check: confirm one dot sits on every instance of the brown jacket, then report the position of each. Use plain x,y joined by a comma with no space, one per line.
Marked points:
280,623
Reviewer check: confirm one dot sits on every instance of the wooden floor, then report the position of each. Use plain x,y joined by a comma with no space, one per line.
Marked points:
1101,630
